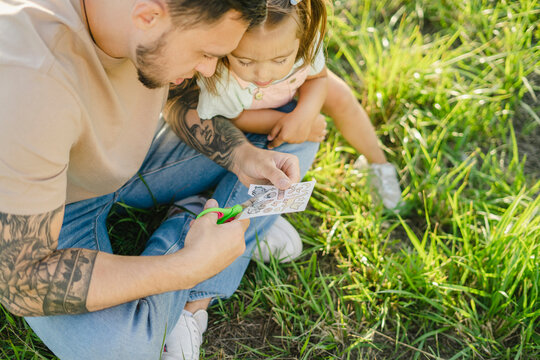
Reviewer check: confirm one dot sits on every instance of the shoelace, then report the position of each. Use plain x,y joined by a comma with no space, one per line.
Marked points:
196,335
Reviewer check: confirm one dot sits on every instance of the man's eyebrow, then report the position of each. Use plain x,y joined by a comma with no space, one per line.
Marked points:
219,56
241,57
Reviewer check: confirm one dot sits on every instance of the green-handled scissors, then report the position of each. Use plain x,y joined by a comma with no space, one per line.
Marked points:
229,214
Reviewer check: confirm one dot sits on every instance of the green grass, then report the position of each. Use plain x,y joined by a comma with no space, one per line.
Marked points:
453,88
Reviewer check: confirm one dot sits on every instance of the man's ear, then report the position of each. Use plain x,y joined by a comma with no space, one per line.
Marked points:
146,13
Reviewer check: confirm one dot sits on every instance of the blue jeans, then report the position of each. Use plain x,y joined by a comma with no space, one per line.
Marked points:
136,330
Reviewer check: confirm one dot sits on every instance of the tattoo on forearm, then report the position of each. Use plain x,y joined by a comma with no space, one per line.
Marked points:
36,278
216,138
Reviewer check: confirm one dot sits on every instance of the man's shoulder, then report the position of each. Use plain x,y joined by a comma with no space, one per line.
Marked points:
32,30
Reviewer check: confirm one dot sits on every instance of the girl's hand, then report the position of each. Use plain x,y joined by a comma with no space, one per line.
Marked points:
295,129
318,129
290,129
304,122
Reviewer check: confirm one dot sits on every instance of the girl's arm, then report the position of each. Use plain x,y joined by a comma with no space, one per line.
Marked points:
312,94
295,127
257,121
311,97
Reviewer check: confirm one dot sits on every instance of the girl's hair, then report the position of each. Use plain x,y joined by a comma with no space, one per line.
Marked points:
310,16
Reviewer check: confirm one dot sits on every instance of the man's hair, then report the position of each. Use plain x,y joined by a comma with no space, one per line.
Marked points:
193,12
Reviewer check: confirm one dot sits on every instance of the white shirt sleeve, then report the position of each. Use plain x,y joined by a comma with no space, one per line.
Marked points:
227,101
318,63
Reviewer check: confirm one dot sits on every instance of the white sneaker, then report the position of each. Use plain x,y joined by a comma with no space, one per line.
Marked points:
386,181
282,241
184,341
387,184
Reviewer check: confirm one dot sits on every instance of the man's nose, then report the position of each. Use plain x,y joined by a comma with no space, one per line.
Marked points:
208,67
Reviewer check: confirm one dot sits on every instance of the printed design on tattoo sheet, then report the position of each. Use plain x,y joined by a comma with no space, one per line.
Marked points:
277,201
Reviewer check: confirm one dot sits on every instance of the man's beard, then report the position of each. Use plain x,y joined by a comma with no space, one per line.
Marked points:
147,63
147,81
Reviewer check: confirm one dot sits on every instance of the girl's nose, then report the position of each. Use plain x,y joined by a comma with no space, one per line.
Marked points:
262,75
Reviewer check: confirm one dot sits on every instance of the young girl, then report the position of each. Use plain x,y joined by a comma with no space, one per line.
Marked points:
283,58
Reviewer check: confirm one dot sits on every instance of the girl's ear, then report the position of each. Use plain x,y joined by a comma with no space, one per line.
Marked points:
147,13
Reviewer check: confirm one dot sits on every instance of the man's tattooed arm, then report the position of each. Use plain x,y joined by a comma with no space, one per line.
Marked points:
36,278
216,138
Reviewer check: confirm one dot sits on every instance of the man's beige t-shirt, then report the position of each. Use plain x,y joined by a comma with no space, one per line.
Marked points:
74,122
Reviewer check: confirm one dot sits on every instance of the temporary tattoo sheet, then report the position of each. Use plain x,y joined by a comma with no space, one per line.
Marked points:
275,201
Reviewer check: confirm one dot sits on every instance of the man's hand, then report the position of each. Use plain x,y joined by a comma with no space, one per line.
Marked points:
258,166
212,247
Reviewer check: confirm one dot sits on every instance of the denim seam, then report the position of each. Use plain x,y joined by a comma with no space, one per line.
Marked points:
175,244
198,295
96,218
234,192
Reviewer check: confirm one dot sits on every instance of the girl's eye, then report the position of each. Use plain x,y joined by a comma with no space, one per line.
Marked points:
244,63
208,57
280,61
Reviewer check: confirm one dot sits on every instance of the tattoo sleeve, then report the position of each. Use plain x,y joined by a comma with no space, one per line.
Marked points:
216,138
36,278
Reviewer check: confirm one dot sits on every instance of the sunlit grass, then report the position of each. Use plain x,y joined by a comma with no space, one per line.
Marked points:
454,275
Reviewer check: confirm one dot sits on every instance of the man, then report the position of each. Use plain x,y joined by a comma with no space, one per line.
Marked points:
83,83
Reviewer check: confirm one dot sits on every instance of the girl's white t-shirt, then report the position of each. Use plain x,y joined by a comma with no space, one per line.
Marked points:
235,95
